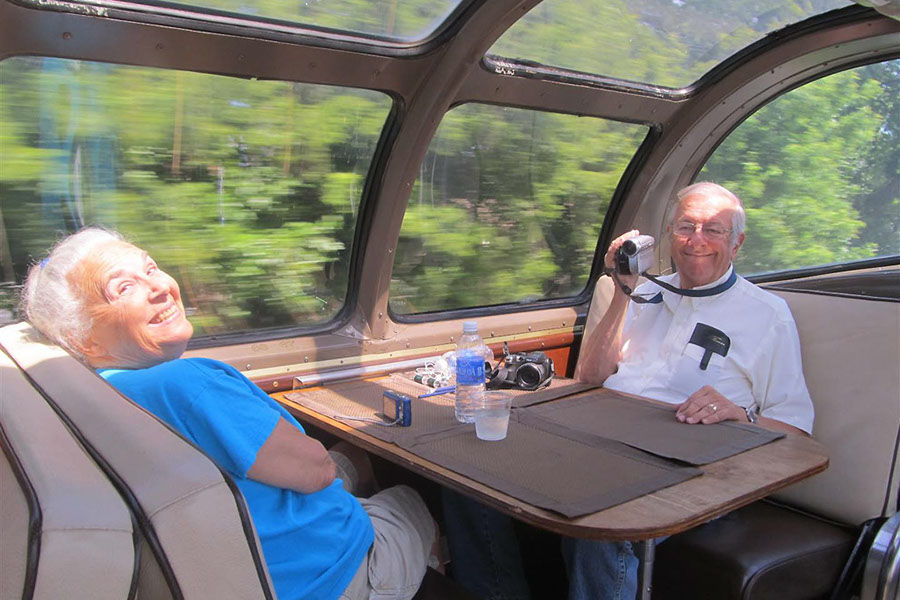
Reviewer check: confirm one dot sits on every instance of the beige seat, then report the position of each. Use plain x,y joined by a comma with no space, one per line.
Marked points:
851,349
64,527
200,539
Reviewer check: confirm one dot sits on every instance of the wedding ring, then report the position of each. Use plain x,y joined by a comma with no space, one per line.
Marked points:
714,407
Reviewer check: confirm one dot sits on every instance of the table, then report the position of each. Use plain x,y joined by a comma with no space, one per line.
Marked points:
724,486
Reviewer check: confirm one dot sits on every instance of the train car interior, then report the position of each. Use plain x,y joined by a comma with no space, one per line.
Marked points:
338,186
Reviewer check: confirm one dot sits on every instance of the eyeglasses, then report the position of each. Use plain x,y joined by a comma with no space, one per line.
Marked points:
710,232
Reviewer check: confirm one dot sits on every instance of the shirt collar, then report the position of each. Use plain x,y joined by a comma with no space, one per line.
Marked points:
718,281
673,300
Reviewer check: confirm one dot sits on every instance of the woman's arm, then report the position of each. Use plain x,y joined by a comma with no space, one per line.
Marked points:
292,460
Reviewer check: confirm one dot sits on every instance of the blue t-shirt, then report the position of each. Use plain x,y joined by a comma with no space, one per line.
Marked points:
313,543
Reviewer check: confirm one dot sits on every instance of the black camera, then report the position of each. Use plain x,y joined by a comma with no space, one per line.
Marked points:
635,255
522,370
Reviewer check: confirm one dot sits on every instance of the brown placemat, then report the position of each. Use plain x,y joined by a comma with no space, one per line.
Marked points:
559,387
553,471
607,414
351,400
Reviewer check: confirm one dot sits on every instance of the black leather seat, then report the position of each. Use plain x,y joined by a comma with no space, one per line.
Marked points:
761,551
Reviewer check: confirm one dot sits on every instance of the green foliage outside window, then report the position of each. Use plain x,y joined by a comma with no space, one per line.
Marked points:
818,170
508,208
394,19
247,192
662,42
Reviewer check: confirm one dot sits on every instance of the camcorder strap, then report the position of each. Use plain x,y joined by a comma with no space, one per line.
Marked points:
656,299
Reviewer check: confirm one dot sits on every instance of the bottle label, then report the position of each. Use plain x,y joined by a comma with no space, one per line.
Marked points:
470,369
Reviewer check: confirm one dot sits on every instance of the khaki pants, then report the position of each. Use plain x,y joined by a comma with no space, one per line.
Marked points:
404,532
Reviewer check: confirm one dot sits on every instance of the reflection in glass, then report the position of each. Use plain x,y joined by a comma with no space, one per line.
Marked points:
818,171
247,192
668,43
508,207
396,20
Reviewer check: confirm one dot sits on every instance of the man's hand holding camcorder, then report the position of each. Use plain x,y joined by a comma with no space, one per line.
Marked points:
609,261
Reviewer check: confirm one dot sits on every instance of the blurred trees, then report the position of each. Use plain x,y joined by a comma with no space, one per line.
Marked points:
248,192
809,165
512,199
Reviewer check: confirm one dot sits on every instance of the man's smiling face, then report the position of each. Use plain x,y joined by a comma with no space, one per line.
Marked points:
703,257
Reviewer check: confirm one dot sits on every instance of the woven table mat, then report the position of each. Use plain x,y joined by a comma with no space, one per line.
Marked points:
362,399
559,387
553,471
607,414
539,462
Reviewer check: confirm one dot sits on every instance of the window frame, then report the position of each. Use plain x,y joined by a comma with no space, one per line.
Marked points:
210,20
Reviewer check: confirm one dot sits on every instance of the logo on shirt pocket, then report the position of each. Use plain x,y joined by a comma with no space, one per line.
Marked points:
701,360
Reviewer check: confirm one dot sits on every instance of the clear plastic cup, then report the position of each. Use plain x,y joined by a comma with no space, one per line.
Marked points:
492,415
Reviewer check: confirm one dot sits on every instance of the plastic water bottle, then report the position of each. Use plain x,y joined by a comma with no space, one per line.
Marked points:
470,376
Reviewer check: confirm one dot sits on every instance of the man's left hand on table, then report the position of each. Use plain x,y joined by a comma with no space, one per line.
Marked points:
706,406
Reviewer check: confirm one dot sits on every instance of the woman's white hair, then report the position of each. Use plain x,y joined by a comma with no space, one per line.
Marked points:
48,301
707,189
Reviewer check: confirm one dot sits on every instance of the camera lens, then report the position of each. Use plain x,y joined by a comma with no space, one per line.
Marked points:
529,376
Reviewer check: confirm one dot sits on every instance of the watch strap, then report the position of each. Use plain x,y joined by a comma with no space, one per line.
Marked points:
751,414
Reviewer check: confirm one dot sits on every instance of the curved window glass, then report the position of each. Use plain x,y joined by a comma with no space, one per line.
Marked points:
818,170
396,20
247,192
667,43
507,208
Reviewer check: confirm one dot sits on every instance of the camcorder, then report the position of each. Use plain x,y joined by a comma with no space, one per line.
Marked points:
522,370
635,256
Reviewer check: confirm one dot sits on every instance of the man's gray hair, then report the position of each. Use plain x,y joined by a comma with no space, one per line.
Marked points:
707,189
48,301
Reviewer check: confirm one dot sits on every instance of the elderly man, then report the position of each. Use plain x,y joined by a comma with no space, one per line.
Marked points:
645,348
650,347
647,344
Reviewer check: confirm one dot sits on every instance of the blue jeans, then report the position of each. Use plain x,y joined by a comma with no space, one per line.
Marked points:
486,559
600,570
484,552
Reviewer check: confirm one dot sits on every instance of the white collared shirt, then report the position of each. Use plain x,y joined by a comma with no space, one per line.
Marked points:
762,367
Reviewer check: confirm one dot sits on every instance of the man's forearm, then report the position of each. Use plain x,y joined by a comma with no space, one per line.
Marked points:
602,349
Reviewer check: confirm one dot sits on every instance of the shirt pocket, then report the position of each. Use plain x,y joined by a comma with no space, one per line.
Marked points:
687,376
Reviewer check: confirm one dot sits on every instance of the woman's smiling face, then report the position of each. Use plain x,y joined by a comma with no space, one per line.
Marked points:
136,308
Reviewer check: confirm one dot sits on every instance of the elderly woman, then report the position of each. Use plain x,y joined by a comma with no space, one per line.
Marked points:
109,304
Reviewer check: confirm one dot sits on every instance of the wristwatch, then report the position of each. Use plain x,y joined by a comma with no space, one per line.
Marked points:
751,414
